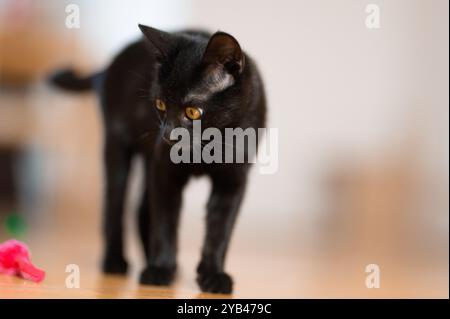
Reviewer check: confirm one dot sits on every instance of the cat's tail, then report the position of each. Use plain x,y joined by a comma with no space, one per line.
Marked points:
67,79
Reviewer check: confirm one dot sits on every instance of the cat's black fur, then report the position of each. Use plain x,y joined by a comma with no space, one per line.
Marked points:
170,66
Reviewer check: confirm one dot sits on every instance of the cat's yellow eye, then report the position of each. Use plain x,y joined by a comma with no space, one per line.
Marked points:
194,113
160,105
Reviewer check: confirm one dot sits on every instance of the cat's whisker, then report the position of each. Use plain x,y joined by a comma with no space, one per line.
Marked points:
147,93
145,135
222,143
158,115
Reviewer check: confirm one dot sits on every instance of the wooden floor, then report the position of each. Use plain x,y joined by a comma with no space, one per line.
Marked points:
257,273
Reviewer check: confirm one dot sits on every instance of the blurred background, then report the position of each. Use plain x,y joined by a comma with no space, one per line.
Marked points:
363,119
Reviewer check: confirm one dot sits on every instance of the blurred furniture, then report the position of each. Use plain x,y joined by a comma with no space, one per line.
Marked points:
32,40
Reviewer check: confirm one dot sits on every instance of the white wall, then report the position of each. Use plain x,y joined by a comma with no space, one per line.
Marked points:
108,25
337,89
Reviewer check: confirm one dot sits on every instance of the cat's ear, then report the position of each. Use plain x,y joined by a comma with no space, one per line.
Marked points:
223,50
159,42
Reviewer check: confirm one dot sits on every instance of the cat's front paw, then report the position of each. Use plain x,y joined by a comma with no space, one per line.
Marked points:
218,282
160,276
114,266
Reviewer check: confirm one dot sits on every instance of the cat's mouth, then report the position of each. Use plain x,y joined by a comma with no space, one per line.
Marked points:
182,144
167,141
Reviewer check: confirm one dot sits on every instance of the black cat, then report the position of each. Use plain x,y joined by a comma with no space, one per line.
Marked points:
164,81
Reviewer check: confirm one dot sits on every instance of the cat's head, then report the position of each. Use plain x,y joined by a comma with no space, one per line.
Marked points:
199,77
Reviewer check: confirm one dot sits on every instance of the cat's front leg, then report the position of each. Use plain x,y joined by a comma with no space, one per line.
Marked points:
166,194
223,207
117,158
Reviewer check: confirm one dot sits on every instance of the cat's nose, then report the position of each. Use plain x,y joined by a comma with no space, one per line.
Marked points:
167,130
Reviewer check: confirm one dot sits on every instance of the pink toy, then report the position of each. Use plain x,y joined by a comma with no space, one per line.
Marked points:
15,260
